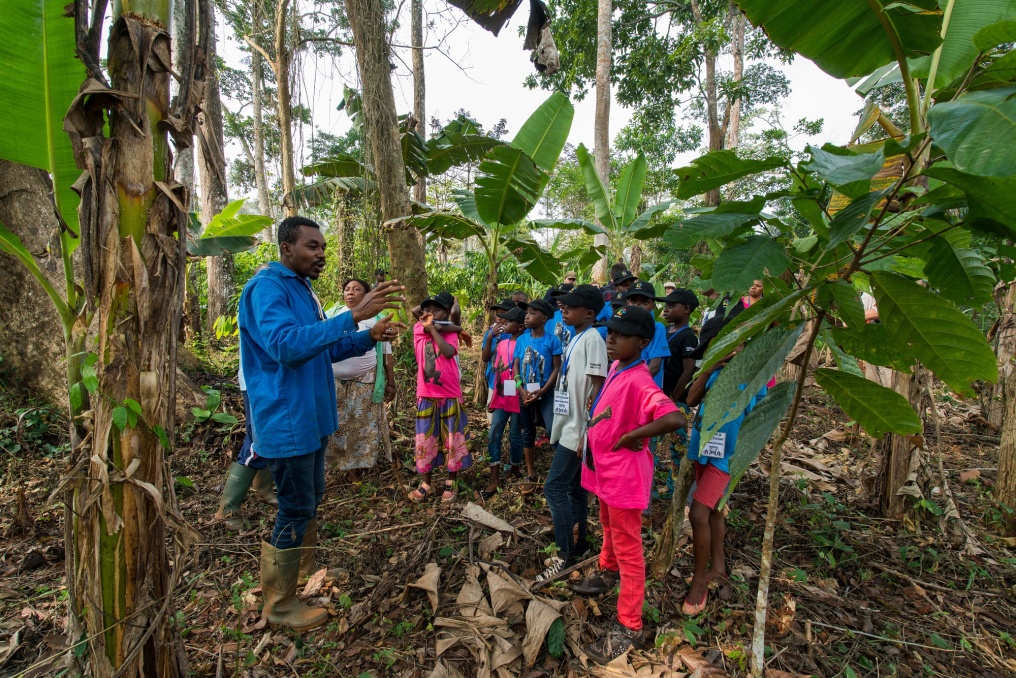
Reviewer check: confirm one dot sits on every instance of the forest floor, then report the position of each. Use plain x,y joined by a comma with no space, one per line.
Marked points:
852,594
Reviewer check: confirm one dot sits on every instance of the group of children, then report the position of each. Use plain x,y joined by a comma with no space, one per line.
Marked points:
606,381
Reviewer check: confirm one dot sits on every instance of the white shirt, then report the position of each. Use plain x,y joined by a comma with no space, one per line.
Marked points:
586,357
352,369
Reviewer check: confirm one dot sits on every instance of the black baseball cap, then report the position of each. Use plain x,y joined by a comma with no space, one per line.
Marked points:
444,299
641,289
584,296
710,329
624,276
631,321
681,296
619,300
505,304
541,305
561,290
515,314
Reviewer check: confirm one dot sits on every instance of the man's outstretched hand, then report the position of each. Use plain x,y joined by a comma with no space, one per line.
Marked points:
385,329
383,297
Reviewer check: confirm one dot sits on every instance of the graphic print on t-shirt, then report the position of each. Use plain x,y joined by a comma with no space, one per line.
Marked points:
563,335
430,372
533,366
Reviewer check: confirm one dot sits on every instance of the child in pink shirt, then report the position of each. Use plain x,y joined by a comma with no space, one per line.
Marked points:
505,403
618,467
441,424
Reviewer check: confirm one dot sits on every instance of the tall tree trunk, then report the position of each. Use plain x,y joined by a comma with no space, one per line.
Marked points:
260,174
214,192
737,52
1005,484
715,131
1005,350
373,54
419,89
133,231
636,259
601,123
347,238
281,67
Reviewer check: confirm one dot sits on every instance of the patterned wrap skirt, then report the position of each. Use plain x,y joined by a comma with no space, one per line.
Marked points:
363,427
441,435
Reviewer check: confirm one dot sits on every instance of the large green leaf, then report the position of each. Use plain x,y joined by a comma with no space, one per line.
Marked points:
323,192
744,377
213,247
230,223
543,135
846,363
687,233
991,201
958,49
747,324
756,430
642,229
467,205
849,220
871,343
595,189
848,307
450,149
970,130
958,273
933,331
845,37
41,77
508,186
539,263
414,153
629,190
338,166
739,265
849,172
446,225
877,409
719,168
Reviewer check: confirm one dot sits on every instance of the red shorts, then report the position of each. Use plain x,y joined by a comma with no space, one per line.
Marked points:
710,484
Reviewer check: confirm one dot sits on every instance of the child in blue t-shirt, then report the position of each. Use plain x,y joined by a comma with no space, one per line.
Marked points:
643,294
537,363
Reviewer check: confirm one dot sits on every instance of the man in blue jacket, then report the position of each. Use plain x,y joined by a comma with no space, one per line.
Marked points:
288,351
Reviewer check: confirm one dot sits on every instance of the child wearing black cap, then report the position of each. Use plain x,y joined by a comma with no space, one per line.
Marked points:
504,402
643,294
618,467
680,366
441,424
537,363
582,371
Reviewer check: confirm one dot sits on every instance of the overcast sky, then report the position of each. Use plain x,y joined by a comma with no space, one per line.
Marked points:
472,69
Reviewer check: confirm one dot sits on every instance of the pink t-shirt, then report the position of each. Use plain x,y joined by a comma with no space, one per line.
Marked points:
436,376
503,371
629,399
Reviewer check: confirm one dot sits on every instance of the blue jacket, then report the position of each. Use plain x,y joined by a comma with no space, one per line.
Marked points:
287,357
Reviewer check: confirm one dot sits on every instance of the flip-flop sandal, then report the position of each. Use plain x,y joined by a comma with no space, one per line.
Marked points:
420,494
690,610
530,485
487,494
449,493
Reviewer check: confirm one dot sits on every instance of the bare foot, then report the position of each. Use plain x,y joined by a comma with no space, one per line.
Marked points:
697,590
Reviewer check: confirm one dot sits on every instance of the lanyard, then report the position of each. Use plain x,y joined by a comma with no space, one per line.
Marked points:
610,380
511,353
571,348
317,302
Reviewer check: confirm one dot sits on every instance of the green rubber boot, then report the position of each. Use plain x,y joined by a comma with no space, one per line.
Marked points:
308,553
234,491
280,570
265,487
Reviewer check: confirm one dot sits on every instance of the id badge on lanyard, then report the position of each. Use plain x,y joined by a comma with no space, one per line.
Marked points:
561,404
716,447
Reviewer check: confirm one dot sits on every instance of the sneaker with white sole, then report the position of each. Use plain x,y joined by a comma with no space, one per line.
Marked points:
554,566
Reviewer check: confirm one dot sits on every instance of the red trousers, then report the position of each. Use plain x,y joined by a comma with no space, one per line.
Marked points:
622,552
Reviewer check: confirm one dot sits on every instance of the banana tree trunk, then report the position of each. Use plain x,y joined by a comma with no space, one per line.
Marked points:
120,500
373,56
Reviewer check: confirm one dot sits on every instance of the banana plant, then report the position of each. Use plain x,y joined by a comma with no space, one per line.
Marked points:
617,212
511,179
458,143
